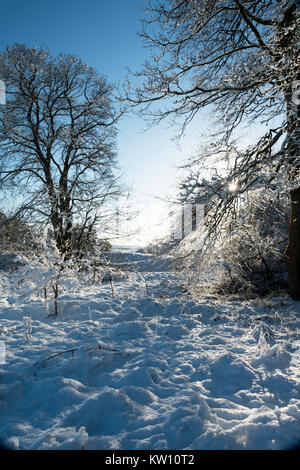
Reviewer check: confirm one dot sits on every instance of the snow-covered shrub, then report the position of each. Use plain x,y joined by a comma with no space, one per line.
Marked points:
85,242
15,234
44,273
245,255
161,247
252,253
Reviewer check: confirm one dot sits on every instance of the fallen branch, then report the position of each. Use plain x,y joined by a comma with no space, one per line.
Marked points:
43,363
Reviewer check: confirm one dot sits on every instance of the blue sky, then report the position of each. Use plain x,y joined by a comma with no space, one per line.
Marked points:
104,34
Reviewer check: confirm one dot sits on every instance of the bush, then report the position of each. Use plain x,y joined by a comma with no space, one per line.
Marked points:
247,254
15,234
253,254
85,242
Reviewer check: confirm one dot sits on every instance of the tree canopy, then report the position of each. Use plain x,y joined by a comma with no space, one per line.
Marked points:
57,139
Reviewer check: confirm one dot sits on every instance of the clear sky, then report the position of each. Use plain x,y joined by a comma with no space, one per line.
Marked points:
104,34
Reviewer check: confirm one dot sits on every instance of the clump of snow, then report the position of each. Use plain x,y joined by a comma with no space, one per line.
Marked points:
228,375
144,367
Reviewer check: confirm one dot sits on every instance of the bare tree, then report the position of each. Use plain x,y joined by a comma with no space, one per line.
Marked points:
57,139
240,58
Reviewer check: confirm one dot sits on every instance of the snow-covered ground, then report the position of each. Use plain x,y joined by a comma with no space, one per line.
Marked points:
144,367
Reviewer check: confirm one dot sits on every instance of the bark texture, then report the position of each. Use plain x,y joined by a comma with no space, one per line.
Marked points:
293,248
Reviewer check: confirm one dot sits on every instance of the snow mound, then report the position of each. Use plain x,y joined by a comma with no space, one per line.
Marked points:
228,375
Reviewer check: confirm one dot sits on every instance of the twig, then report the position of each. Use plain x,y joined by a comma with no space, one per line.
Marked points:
146,285
55,290
43,363
112,286
107,349
55,355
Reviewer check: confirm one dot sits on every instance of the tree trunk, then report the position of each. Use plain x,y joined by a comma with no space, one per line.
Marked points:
63,234
293,248
291,148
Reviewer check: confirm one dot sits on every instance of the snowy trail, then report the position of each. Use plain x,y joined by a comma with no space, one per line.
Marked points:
148,369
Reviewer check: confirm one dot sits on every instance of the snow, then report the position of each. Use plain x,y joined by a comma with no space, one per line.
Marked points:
147,368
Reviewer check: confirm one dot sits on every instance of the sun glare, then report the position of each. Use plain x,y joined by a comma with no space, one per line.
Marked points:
232,187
